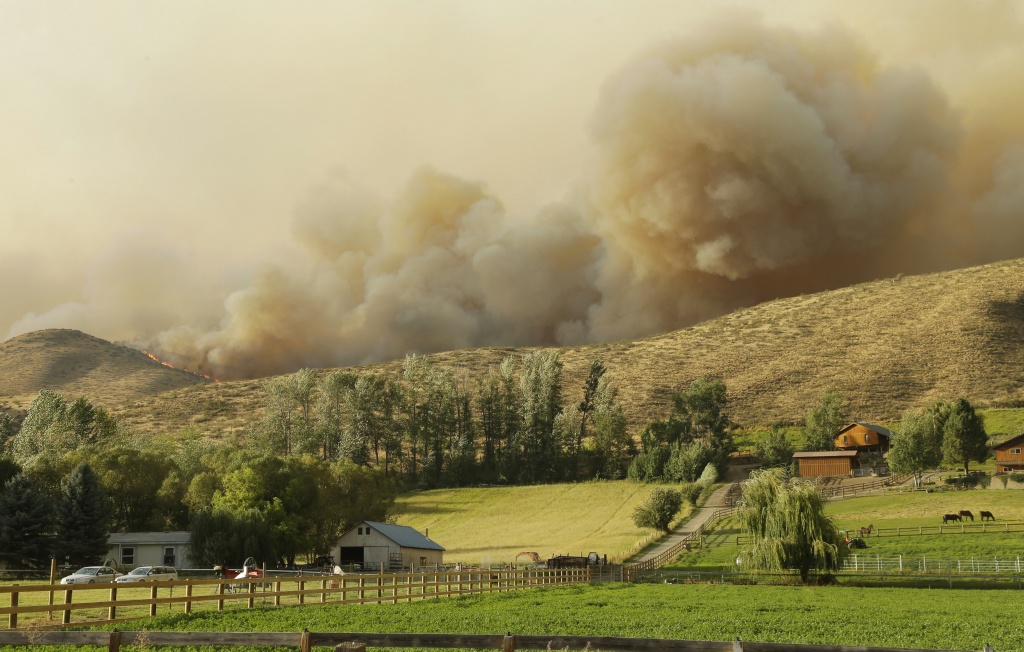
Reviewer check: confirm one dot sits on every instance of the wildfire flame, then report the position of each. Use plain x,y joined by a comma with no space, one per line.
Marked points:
170,366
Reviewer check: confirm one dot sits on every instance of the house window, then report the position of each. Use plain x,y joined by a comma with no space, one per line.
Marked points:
1014,451
867,438
359,530
846,440
169,556
128,556
423,561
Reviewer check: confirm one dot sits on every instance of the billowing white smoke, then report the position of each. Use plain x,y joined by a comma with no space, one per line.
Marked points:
742,163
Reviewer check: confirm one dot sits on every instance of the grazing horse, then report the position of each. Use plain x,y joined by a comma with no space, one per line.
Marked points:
946,518
967,514
987,515
865,531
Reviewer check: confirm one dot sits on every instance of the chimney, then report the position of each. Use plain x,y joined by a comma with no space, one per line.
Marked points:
426,533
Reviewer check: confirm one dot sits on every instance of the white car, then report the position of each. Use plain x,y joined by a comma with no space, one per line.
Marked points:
149,574
92,575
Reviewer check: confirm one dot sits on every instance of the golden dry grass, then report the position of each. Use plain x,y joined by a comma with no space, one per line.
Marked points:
76,364
885,345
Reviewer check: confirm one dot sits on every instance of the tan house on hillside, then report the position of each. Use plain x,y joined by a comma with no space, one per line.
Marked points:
863,437
1010,455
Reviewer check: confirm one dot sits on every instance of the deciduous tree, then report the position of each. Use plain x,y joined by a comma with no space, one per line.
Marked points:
824,422
788,526
963,436
659,509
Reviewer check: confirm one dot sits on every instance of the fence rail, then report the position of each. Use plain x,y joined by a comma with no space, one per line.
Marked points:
924,530
630,571
924,564
121,602
306,640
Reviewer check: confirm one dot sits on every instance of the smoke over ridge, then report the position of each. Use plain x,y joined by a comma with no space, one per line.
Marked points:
741,163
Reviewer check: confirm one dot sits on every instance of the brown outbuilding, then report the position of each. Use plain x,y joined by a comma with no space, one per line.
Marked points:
824,463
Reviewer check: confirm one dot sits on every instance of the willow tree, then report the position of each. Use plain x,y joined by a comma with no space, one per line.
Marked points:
788,527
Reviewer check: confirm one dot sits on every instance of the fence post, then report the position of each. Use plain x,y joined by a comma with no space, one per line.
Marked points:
302,591
305,645
350,647
508,643
12,620
115,642
66,619
112,609
220,592
188,596
152,596
251,590
53,580
277,593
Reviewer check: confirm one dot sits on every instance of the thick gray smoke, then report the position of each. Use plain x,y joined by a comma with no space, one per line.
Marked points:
742,163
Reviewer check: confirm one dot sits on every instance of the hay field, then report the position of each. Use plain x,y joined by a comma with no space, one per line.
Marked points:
493,524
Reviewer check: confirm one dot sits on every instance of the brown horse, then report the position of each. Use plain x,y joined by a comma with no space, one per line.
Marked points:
967,514
946,518
865,531
987,515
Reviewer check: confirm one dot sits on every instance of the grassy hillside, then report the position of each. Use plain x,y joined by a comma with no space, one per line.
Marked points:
885,345
494,524
76,364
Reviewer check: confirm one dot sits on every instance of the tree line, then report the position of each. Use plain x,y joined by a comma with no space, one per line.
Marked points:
430,427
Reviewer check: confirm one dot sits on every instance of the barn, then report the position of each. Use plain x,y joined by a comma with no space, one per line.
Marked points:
1010,455
824,463
371,544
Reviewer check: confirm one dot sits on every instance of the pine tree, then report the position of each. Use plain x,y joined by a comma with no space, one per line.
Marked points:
25,519
82,518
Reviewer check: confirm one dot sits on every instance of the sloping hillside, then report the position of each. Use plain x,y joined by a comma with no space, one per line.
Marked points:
77,364
885,345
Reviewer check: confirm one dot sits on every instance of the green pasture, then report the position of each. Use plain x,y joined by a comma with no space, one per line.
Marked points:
943,619
493,524
891,510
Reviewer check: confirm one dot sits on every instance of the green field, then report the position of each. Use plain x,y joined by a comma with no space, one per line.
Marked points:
943,619
906,510
493,524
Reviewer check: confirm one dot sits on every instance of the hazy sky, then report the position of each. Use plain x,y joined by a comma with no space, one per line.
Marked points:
157,159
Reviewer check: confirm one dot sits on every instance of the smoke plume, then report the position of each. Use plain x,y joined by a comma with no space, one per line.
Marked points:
740,163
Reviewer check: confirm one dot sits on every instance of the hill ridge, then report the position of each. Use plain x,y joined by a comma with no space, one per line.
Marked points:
885,345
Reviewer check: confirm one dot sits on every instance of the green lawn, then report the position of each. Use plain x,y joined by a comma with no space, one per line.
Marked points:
943,619
494,524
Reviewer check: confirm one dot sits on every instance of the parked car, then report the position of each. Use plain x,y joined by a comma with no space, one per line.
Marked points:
92,575
149,574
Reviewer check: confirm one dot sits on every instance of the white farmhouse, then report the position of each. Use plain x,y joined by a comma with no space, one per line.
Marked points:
131,549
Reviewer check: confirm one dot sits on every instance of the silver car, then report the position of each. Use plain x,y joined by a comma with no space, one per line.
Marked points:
149,574
92,575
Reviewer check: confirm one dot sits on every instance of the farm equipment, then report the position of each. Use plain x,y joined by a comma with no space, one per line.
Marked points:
570,561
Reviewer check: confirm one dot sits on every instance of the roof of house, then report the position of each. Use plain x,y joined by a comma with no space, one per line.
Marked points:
811,454
870,426
1010,442
144,538
404,536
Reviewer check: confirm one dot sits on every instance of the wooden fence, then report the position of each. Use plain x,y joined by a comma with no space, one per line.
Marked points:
924,530
122,602
630,572
306,640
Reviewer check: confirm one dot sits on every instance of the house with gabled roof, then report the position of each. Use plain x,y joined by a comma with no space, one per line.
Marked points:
374,545
863,437
1010,455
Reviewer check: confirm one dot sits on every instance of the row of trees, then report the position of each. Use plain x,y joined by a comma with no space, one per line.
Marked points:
430,427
